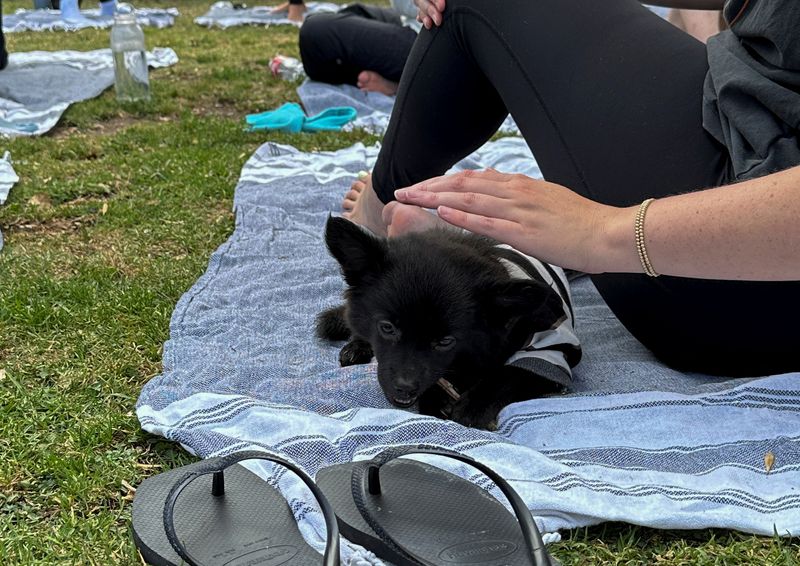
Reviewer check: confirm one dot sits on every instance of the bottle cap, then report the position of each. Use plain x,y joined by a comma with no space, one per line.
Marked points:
125,13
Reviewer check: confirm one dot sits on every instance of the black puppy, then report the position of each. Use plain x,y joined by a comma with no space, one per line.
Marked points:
442,315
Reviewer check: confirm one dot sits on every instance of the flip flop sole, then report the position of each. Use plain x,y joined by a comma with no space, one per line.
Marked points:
431,513
250,524
334,482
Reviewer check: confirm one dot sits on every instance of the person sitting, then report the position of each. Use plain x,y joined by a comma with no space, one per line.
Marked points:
619,108
361,45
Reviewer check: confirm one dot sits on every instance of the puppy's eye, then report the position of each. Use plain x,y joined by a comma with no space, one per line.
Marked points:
386,328
445,343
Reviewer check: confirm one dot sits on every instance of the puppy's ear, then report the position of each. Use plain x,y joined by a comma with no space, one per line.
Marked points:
526,306
358,252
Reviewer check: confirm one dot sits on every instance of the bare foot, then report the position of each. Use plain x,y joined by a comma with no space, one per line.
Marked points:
362,206
351,198
370,81
405,218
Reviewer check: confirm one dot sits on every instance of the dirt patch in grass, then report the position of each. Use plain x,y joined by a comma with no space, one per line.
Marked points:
107,127
52,226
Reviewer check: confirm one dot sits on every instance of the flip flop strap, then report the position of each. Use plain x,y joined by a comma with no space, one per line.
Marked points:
365,481
217,466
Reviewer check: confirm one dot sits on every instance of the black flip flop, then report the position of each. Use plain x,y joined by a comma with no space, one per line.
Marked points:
215,513
411,513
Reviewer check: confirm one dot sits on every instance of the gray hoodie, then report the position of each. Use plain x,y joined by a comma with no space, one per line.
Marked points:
751,98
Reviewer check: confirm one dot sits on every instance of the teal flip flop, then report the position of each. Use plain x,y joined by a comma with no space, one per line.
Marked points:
287,118
330,119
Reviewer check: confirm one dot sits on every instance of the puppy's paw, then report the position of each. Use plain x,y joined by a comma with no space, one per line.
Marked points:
331,324
355,352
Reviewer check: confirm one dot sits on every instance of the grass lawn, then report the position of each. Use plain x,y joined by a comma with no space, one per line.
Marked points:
115,216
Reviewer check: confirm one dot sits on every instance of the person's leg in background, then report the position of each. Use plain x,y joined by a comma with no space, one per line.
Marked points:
608,96
3,52
295,10
337,48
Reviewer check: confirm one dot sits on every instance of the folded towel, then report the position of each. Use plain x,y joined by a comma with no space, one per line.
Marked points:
38,86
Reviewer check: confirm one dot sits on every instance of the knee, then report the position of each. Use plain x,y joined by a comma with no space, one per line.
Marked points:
317,43
323,49
316,32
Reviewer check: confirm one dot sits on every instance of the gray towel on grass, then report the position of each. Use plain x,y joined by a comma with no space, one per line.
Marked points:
224,15
38,86
52,20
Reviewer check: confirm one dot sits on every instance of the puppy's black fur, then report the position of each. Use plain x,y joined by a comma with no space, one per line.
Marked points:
437,305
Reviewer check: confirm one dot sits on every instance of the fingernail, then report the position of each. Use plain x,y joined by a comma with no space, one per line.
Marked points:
400,194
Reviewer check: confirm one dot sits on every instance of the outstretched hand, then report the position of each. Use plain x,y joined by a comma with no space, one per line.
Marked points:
429,12
541,219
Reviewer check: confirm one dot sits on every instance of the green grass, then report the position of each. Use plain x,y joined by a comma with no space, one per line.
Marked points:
114,218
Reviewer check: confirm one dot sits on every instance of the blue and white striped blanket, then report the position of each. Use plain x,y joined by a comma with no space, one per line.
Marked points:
638,442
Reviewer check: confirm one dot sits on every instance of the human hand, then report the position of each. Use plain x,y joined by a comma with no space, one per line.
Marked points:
430,12
541,219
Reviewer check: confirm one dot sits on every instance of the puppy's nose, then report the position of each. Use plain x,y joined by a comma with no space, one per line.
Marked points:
405,393
407,387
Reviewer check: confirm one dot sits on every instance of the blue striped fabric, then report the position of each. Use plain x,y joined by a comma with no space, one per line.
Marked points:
635,442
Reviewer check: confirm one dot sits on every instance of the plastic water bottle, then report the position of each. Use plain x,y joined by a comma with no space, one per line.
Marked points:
287,68
130,61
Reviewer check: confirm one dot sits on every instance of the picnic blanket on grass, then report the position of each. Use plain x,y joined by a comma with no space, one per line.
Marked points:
38,86
225,15
637,442
52,20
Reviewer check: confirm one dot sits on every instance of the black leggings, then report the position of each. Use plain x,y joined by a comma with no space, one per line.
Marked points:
608,97
335,48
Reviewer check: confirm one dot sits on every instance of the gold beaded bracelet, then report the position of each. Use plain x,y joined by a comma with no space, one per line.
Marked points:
638,230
